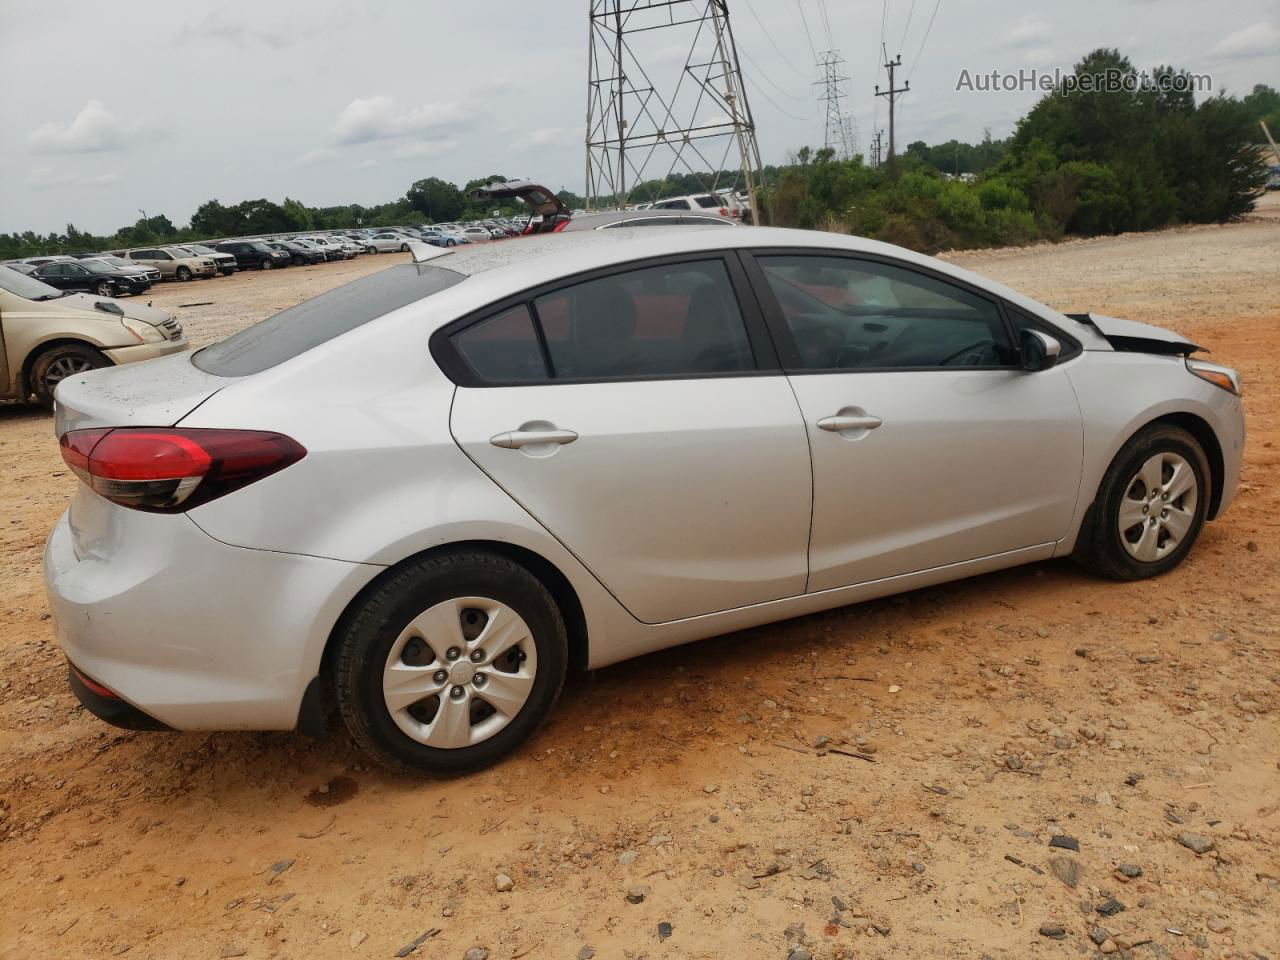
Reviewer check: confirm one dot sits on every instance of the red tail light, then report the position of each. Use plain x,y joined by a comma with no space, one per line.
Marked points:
169,470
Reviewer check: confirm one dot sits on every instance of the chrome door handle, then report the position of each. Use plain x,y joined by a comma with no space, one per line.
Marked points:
844,422
515,439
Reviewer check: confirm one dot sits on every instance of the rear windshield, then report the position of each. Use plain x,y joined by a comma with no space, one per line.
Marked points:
294,331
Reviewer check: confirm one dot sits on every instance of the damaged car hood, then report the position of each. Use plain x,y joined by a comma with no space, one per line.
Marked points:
1137,337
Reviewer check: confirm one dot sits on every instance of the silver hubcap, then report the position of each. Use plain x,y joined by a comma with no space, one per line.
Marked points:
1158,507
459,672
65,367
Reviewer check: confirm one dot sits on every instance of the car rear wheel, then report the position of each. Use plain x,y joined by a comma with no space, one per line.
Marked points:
55,364
104,288
1150,507
183,274
451,663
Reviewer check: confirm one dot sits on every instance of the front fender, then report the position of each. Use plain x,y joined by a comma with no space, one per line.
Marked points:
1120,393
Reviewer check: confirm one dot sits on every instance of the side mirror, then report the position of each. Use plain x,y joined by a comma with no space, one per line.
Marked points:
1039,350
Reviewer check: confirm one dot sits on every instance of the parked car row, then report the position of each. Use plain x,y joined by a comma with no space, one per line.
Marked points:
133,270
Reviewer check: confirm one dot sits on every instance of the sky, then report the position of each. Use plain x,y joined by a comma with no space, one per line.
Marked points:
111,109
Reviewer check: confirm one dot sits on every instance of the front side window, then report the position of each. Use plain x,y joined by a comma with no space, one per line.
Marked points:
161,255
850,314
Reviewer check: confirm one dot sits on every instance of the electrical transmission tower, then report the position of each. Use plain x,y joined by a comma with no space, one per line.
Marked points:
841,133
646,119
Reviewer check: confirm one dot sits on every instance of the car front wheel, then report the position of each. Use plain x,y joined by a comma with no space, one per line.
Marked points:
57,363
103,288
267,264
183,274
1150,507
451,663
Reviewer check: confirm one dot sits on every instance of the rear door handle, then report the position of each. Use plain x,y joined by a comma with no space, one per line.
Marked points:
515,439
842,422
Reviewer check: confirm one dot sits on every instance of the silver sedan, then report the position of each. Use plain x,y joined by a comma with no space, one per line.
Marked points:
426,494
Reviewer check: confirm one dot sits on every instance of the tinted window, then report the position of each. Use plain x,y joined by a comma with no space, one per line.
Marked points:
708,202
161,255
297,329
675,320
503,348
143,254
847,314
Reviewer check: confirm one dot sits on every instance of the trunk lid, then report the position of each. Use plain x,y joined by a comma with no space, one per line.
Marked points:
541,201
1138,337
155,393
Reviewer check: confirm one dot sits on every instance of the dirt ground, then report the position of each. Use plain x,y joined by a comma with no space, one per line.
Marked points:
879,781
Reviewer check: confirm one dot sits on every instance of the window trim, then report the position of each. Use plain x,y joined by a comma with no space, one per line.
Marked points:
784,341
456,368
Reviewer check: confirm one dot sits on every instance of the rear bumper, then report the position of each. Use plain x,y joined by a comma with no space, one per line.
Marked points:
189,632
106,706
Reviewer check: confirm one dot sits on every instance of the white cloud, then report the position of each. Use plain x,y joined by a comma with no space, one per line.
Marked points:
1028,29
424,148
94,129
1261,39
377,118
43,178
1039,55
315,155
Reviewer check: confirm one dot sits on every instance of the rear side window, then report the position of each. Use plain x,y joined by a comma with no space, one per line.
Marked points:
296,330
672,320
504,348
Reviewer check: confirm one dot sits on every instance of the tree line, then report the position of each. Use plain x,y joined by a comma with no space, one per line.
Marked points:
1090,163
1084,164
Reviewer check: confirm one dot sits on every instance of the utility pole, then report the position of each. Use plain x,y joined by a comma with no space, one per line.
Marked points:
875,148
892,94
648,118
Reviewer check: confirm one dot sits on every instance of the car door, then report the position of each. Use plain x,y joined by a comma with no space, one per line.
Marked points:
931,446
639,415
54,274
77,277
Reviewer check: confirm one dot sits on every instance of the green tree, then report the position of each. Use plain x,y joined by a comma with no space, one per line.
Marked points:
438,200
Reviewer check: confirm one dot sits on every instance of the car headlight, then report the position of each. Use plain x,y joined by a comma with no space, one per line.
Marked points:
1218,375
143,331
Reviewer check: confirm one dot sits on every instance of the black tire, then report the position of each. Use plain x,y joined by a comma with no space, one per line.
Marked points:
1100,548
183,274
267,264
56,363
227,271
404,248
370,249
450,242
104,288
367,633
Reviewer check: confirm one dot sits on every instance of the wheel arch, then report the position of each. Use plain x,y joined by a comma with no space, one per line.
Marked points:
34,354
1200,429
548,574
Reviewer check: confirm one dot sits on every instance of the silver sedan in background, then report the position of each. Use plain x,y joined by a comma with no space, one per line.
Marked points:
426,494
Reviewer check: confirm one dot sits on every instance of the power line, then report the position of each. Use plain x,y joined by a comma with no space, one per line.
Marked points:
907,28
937,3
774,44
769,100
826,22
764,73
807,34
